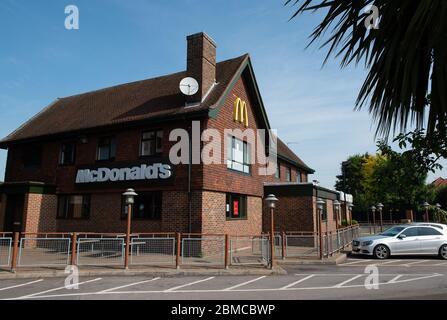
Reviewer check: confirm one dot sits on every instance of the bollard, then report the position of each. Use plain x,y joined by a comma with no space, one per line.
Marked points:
74,239
177,256
283,245
15,251
227,248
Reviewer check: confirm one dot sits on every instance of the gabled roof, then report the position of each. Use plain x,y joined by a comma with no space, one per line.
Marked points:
141,100
145,100
440,182
288,155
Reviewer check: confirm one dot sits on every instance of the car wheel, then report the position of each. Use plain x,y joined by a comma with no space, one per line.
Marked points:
443,252
381,252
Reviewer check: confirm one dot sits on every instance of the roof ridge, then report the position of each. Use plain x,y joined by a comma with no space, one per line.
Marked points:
120,85
142,80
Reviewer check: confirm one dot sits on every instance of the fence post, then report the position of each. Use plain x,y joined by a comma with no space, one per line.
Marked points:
74,240
283,245
177,256
227,248
330,248
15,251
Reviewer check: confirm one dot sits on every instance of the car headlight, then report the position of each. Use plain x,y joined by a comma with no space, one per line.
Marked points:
367,243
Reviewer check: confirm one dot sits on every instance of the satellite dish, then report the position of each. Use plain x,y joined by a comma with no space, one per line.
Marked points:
189,86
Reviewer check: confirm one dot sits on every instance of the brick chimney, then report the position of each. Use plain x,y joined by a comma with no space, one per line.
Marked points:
201,64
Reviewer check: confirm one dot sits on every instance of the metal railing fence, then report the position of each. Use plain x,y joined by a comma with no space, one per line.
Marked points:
301,244
153,251
165,249
44,249
100,250
5,249
249,250
199,249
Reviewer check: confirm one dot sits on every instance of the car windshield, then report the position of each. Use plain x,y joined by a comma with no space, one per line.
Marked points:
392,231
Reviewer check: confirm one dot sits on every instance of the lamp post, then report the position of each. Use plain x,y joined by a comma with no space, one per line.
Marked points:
426,205
129,197
380,207
344,164
438,207
271,202
373,210
320,203
337,206
350,206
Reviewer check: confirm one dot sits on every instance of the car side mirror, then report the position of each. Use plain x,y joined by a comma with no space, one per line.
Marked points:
401,236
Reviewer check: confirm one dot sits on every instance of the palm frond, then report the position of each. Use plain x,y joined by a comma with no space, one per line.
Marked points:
405,57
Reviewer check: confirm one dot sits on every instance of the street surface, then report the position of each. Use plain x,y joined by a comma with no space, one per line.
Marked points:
399,278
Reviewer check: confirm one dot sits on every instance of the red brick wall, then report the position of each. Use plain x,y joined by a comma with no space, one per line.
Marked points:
128,150
105,215
214,216
292,213
298,213
217,177
39,213
106,200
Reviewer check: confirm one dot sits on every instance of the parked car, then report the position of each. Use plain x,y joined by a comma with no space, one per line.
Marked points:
408,239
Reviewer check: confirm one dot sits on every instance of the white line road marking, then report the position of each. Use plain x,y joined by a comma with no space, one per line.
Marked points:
20,285
420,278
355,262
188,284
440,264
243,283
388,262
396,278
296,282
56,289
347,281
129,285
426,276
355,274
415,262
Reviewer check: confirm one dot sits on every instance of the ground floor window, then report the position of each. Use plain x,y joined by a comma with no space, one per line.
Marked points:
73,207
236,206
148,206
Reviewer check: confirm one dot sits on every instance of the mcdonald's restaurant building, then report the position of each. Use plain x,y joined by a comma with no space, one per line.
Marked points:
68,166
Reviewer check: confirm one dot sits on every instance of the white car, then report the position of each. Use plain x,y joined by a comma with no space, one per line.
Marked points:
409,239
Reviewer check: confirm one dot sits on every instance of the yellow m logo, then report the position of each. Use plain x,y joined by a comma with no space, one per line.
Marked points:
240,113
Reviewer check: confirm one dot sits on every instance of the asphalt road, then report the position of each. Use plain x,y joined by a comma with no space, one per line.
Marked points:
399,278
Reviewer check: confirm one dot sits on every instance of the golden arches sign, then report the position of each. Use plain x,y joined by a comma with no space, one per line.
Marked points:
240,113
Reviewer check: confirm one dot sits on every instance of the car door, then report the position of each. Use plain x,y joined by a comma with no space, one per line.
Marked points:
431,240
408,245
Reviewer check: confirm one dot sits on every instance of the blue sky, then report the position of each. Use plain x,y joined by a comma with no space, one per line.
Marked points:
121,41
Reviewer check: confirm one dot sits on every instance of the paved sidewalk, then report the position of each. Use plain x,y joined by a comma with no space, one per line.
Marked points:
155,272
47,272
334,260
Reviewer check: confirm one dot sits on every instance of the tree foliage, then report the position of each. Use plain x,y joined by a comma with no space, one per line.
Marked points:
405,56
423,149
389,177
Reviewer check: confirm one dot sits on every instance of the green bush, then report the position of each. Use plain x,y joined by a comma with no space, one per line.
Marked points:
345,223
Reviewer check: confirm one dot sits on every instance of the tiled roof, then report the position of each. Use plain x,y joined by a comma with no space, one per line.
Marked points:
285,152
141,100
440,182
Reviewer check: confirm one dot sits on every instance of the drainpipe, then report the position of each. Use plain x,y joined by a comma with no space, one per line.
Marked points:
189,180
